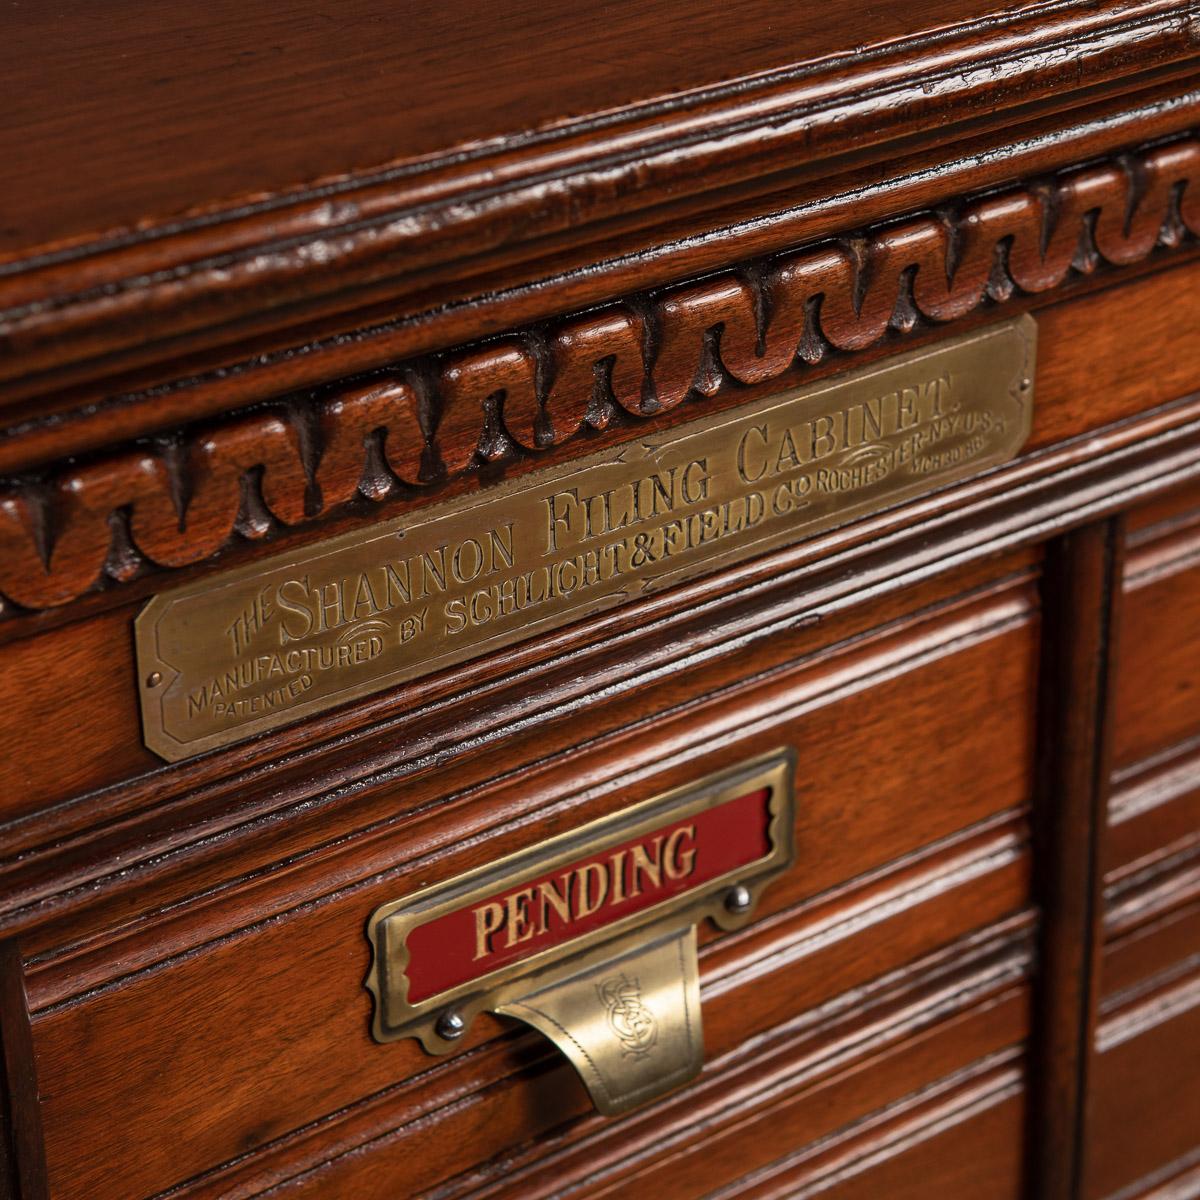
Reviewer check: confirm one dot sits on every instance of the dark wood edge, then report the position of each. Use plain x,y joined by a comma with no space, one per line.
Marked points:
1081,590
18,1083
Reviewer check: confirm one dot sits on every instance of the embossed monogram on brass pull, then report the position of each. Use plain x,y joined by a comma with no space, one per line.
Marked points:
590,937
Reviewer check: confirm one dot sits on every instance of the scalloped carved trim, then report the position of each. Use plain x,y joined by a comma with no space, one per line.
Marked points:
180,501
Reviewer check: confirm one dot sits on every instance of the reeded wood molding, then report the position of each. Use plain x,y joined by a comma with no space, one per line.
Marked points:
181,500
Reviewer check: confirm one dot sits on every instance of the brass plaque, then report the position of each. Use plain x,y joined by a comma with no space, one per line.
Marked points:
296,634
590,936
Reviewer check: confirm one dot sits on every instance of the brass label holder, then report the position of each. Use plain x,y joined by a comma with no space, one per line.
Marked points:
590,937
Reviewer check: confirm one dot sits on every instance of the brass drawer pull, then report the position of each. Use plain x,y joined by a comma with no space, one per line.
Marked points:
590,937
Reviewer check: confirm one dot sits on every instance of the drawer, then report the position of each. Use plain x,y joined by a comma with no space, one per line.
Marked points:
1153,835
236,1017
1153,815
853,1122
1144,1112
1157,704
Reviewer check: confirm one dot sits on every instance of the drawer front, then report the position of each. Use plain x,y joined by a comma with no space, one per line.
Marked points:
1158,676
1143,1126
908,898
1144,1115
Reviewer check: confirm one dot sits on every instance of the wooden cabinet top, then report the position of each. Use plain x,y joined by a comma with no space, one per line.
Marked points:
125,119
227,194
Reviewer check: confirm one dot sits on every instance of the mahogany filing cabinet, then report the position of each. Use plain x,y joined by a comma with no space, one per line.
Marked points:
600,600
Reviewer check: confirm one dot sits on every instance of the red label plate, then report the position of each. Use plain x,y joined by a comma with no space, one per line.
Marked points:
579,897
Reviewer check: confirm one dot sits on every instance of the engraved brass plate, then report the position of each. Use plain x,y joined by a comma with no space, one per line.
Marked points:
590,937
300,633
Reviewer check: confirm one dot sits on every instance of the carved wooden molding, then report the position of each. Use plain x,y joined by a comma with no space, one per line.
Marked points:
182,499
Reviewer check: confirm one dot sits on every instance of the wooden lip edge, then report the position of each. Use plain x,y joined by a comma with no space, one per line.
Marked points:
1148,34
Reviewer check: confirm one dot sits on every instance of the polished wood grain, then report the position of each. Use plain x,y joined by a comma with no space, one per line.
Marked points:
685,656
1153,932
903,911
1173,510
964,1151
225,122
988,537
1154,806
1160,668
273,275
1151,815
71,409
1146,1108
1141,1123
806,1108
